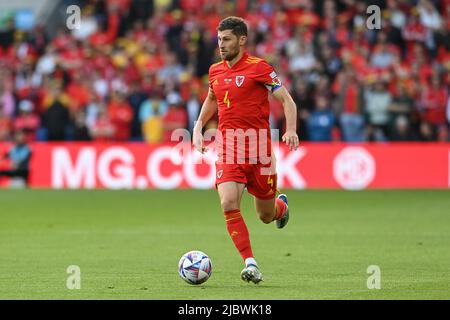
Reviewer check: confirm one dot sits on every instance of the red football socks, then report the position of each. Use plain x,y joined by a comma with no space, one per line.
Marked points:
280,208
239,233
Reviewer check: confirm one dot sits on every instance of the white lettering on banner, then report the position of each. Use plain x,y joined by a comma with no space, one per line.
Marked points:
79,175
354,168
286,168
190,172
121,176
115,168
154,170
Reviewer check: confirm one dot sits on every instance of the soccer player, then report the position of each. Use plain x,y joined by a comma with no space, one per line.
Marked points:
239,86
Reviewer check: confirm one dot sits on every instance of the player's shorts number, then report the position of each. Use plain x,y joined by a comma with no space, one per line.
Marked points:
270,181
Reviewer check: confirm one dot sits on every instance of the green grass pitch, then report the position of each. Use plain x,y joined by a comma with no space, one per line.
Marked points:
128,243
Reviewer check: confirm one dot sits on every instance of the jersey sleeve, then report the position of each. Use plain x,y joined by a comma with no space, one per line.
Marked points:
210,83
211,78
266,75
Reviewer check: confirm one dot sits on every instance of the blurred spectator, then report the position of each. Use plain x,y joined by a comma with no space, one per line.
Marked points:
377,101
431,19
27,121
136,97
77,92
414,30
5,126
56,119
303,60
193,106
434,102
121,115
151,114
330,61
350,105
47,63
92,110
102,129
427,132
7,100
429,16
80,128
175,117
7,34
393,36
321,121
402,130
305,105
172,71
396,15
141,10
402,106
384,54
100,86
19,155
38,39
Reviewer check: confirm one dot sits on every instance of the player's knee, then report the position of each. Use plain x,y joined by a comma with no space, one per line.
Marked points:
228,204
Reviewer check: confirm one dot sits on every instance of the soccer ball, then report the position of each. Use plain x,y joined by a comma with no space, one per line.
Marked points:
195,267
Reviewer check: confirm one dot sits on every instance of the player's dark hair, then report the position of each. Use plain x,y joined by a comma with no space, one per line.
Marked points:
237,26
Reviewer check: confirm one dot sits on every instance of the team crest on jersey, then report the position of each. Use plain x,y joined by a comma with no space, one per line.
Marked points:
240,80
219,174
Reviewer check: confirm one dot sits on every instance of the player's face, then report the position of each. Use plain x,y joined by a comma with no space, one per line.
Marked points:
229,44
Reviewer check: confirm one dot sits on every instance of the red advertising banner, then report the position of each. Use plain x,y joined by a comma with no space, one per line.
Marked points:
143,166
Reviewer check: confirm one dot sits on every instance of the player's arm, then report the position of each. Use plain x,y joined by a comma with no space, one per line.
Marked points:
209,108
290,112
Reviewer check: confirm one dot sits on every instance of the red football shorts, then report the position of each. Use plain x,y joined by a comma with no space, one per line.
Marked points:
257,178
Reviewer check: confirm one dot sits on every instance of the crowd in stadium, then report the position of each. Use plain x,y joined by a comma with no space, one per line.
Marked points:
136,70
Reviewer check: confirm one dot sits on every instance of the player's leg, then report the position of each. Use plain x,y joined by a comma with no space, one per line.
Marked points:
262,183
275,209
230,194
265,209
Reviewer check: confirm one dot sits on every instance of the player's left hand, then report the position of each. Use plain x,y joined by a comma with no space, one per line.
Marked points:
291,139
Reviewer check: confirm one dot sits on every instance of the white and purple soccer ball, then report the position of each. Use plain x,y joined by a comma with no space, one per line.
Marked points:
195,267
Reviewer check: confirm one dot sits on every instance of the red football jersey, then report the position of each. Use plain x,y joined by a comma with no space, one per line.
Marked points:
242,97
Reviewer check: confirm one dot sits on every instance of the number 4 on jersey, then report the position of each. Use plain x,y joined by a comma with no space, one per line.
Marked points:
226,100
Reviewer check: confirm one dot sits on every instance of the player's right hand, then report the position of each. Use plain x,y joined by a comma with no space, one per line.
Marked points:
197,141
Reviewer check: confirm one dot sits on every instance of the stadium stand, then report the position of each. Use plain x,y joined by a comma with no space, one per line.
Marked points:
135,69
